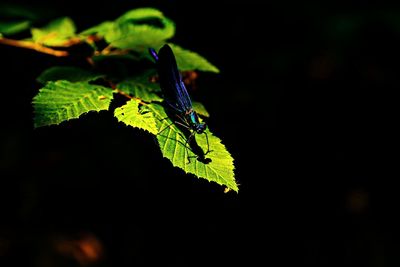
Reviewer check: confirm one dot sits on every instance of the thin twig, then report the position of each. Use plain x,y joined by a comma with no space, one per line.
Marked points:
34,46
130,97
114,87
124,94
71,42
106,50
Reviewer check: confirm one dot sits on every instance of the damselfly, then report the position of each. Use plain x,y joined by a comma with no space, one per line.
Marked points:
177,98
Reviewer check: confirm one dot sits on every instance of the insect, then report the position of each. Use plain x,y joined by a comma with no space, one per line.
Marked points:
177,97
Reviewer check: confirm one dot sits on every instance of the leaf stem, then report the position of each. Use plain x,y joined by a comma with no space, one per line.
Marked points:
71,42
124,94
114,87
106,50
130,97
34,46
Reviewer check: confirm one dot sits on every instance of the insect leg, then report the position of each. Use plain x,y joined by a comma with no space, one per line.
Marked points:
165,127
208,145
181,124
172,123
188,142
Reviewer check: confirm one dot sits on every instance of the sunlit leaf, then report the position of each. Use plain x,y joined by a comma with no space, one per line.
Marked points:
139,117
100,29
119,48
136,30
140,14
63,100
200,109
172,144
72,74
188,60
56,33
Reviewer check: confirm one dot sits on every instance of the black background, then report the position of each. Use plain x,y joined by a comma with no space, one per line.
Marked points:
305,102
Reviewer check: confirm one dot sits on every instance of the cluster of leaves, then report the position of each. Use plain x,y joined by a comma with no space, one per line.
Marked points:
69,92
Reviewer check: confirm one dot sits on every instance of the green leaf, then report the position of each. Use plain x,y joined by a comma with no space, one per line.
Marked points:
141,14
9,28
56,33
188,60
100,29
72,74
200,109
172,145
134,30
128,56
62,100
141,87
136,116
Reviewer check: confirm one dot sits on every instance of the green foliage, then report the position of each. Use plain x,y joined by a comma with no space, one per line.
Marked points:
141,87
136,116
172,141
63,100
188,60
100,29
172,144
72,74
134,29
120,64
55,33
200,109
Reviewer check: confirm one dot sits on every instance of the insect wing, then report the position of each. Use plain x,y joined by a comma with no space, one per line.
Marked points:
171,83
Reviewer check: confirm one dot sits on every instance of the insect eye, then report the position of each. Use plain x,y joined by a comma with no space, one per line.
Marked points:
200,128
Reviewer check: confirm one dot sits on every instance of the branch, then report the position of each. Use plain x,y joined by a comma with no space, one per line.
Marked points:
110,50
124,94
141,102
114,87
34,46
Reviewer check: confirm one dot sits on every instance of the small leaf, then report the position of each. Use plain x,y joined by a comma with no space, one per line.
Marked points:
134,30
62,100
9,28
72,74
172,145
132,115
200,109
141,14
188,60
100,29
141,87
137,29
56,33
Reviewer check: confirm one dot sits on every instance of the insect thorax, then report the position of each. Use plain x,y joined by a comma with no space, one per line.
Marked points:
195,123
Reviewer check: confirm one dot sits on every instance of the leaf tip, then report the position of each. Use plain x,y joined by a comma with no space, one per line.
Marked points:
214,69
232,187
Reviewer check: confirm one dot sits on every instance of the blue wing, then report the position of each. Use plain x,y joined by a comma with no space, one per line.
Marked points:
171,83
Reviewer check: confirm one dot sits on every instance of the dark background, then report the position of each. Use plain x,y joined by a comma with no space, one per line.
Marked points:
305,102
